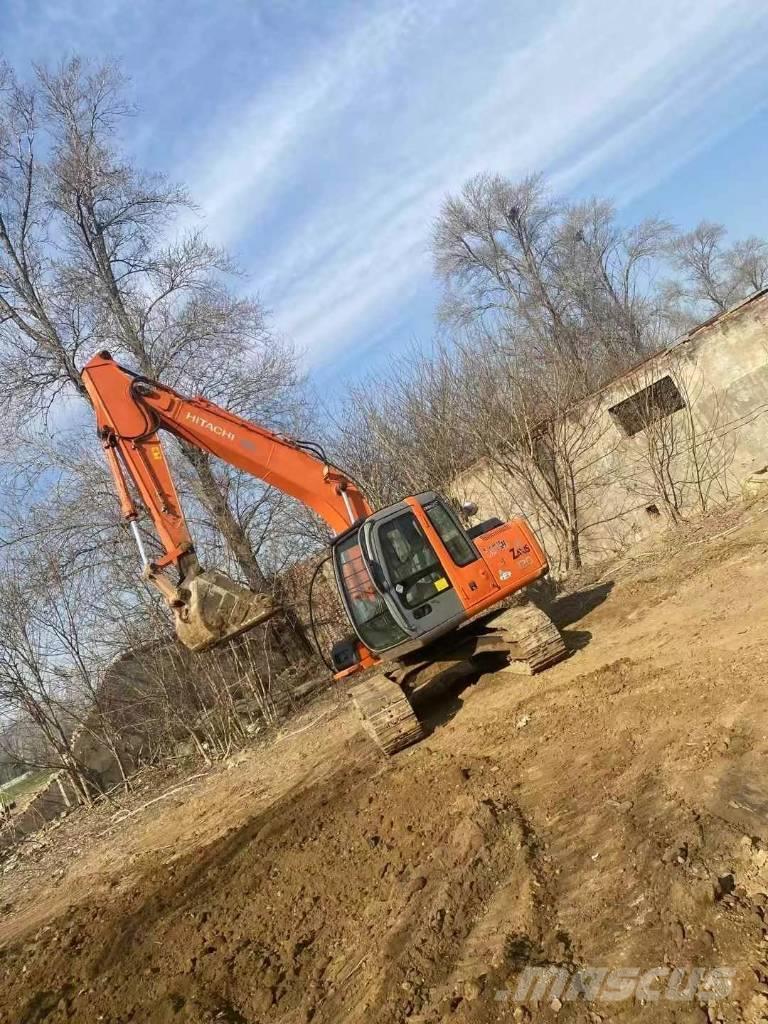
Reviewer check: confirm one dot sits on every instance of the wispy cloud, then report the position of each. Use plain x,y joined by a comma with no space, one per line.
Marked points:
589,94
264,148
320,140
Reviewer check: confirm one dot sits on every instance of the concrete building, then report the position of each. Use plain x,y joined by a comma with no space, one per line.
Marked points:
677,435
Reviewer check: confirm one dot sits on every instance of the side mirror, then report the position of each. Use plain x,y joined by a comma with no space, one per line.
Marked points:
469,509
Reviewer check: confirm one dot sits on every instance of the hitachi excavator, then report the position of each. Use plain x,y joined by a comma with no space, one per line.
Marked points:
421,593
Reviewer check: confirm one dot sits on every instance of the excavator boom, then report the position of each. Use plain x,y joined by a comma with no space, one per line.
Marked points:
130,411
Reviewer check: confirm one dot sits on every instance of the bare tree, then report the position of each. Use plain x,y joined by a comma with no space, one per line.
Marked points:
681,448
714,276
749,258
165,303
88,259
562,278
700,256
43,323
546,449
42,661
405,430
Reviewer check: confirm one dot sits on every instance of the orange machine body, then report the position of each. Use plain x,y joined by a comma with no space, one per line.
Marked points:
130,412
510,558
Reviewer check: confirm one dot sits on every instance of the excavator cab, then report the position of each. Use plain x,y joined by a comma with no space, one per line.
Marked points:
411,572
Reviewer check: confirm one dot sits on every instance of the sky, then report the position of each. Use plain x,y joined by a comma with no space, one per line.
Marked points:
320,137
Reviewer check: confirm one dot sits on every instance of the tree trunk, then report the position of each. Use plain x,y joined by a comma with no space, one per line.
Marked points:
231,529
574,548
290,635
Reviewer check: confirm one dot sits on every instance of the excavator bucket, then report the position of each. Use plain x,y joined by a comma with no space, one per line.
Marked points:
215,609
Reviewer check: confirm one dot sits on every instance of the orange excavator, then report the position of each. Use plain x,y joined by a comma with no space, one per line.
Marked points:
421,593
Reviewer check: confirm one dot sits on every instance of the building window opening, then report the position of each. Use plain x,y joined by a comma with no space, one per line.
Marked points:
653,403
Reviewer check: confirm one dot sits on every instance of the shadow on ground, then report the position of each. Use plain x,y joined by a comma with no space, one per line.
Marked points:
443,698
576,639
439,702
569,608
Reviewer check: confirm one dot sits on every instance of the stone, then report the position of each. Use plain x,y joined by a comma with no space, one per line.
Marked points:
755,485
725,885
417,885
472,990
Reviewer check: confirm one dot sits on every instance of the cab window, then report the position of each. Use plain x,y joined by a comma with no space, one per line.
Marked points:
372,619
451,534
412,566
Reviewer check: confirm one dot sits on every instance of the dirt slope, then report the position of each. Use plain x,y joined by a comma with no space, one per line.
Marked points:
612,812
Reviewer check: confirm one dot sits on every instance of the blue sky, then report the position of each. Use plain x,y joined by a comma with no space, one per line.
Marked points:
320,136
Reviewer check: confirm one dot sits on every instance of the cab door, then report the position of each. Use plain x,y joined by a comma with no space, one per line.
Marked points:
464,564
416,581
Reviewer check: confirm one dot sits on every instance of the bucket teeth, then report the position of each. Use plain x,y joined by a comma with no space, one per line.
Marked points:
216,609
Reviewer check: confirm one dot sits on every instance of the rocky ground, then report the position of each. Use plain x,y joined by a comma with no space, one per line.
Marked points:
608,815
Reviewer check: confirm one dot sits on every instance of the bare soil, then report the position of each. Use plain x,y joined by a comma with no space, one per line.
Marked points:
612,812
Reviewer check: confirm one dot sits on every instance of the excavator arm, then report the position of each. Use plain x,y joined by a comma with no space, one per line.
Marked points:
130,411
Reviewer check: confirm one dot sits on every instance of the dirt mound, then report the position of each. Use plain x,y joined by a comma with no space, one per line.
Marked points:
327,900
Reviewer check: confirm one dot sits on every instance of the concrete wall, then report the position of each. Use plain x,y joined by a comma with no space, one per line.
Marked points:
105,765
58,796
715,442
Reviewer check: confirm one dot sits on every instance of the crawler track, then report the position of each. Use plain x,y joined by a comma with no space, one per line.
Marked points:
386,713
